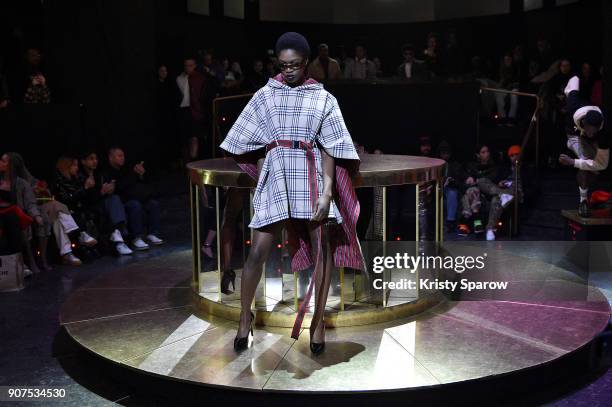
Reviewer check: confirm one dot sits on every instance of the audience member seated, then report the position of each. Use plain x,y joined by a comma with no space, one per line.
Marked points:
15,190
105,201
324,68
411,68
453,179
360,67
482,182
78,197
50,215
131,184
481,175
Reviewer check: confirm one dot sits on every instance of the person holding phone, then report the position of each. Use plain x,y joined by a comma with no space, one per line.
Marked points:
132,185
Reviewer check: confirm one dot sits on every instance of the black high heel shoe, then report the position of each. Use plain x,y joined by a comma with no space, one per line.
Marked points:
317,348
229,276
243,343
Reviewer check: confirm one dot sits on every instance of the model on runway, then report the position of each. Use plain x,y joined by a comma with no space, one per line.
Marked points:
303,183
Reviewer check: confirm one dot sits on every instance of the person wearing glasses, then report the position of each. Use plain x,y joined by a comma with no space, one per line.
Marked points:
303,183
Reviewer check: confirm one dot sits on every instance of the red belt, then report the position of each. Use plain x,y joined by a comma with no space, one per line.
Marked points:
312,179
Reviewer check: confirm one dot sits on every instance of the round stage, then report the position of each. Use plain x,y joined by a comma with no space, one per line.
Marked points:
143,319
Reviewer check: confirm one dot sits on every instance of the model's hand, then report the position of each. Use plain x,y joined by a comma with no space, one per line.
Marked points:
38,220
322,208
566,160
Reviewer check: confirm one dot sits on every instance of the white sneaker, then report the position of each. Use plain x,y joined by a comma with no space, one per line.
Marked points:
116,237
123,249
139,244
490,235
86,240
26,272
154,240
505,199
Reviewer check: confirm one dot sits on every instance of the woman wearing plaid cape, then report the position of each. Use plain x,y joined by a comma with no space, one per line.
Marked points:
303,183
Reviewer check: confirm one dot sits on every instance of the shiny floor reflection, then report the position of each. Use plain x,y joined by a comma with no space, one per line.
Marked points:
141,317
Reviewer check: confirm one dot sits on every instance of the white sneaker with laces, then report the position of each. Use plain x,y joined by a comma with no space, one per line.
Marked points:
86,240
505,199
123,249
139,244
154,240
116,237
490,235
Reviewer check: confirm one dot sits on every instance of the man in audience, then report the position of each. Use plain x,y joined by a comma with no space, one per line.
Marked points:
586,140
501,190
131,184
191,86
360,67
324,68
105,200
482,176
411,68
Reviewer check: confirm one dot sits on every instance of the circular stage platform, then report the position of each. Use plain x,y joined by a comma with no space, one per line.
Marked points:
143,319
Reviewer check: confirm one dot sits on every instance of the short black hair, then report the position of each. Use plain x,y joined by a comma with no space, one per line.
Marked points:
113,148
294,41
86,152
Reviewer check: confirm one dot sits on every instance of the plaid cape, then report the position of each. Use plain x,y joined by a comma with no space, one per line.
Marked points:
310,114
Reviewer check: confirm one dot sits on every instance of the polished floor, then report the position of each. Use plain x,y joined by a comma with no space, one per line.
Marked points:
37,350
141,316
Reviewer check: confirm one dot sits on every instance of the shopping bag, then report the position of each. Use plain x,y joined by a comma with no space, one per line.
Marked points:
11,272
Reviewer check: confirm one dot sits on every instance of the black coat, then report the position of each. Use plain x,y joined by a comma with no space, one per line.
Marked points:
128,185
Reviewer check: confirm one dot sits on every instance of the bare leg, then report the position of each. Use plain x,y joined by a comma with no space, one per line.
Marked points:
251,274
30,256
324,263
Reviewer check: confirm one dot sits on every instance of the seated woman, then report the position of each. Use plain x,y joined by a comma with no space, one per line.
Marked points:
69,190
49,215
